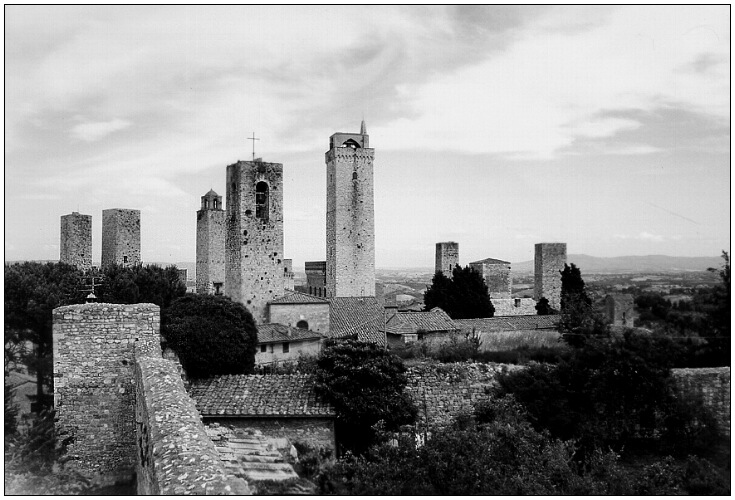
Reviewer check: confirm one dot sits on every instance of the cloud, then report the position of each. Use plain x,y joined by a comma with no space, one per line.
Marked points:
94,131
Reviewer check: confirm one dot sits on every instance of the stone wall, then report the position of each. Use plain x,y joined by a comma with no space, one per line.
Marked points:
441,391
174,454
314,432
514,307
548,263
447,256
254,244
315,314
120,237
76,240
497,278
350,222
712,385
210,249
93,352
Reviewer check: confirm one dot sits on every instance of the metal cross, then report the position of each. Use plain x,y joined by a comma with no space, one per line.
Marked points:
253,138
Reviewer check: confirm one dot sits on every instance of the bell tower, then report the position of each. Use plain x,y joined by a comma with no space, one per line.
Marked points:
211,245
350,268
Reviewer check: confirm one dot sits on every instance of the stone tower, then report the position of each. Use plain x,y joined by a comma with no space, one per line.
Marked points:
120,237
76,240
350,216
548,264
496,274
211,245
447,256
254,235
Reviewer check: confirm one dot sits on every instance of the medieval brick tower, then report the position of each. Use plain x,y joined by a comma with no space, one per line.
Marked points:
350,216
120,237
76,240
211,245
254,235
548,264
447,256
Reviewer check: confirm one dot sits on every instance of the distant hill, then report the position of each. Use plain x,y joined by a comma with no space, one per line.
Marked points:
631,264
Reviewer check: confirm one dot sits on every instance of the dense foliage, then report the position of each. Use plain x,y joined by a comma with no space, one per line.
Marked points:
140,284
464,295
212,335
610,392
365,383
32,291
497,451
543,308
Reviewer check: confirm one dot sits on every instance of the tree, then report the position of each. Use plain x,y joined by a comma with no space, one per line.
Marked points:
543,308
718,312
32,291
365,384
212,335
579,320
464,295
141,284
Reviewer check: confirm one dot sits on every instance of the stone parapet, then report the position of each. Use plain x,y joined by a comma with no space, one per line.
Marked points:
176,457
712,385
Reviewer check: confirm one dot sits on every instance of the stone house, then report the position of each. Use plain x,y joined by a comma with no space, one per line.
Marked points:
280,343
300,310
403,327
280,406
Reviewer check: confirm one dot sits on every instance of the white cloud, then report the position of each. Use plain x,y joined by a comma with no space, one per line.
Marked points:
94,131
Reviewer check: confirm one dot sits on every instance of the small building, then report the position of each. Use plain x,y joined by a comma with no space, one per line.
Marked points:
516,306
300,310
403,327
280,343
280,406
620,309
316,277
496,274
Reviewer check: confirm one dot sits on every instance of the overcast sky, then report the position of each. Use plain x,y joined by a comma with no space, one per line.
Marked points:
603,127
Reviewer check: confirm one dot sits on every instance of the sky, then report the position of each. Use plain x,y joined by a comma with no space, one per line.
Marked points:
607,128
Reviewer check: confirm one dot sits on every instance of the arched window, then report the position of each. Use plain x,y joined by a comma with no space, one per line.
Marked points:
303,325
354,176
261,200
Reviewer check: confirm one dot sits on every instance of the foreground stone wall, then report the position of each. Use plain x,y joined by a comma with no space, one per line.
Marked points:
313,432
712,385
175,456
94,351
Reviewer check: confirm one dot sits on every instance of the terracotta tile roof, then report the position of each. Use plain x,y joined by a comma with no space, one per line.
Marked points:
409,322
259,396
509,323
361,316
274,332
490,261
295,297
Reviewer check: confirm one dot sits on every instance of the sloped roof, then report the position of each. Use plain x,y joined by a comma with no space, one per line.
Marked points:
259,396
490,261
509,323
211,193
275,332
409,322
361,316
295,297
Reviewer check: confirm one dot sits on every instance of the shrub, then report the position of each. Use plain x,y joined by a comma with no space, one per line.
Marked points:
212,335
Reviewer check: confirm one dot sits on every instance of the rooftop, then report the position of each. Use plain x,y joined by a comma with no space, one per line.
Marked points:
409,322
490,261
259,396
295,297
274,332
360,316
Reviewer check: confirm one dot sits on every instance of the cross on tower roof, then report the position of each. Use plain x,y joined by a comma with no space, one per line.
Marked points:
253,138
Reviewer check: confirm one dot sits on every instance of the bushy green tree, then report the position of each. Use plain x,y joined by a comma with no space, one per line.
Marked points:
32,291
140,284
212,335
464,295
543,308
579,321
365,383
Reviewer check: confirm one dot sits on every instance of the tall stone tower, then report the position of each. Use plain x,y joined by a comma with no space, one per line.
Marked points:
548,264
254,235
211,245
76,240
447,256
350,216
120,237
